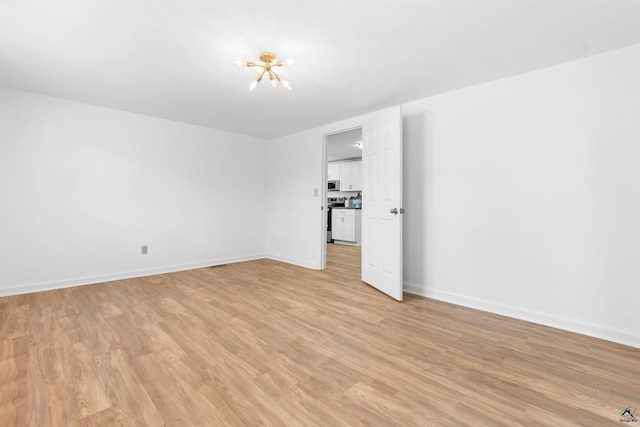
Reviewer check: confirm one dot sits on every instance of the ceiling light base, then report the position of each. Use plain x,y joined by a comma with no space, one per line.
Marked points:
267,57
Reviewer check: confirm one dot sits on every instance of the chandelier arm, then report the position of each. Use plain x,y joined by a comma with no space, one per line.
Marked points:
264,70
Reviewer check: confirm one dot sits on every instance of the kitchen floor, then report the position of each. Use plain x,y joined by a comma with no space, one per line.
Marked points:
344,259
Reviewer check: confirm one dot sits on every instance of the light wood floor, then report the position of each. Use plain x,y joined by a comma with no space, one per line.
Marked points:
265,343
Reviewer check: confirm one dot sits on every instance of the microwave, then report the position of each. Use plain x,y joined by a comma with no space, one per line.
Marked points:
333,185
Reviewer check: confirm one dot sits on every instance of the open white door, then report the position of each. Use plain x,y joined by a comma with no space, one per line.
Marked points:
382,204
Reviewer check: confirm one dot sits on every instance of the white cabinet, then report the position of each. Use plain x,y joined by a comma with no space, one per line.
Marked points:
349,174
356,176
333,171
346,225
343,225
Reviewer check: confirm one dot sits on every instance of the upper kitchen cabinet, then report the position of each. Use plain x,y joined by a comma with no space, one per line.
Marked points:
351,176
333,171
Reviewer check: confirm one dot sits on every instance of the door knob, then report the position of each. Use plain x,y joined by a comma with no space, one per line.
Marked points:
394,211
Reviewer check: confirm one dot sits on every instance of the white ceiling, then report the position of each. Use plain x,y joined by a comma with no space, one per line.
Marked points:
345,145
173,59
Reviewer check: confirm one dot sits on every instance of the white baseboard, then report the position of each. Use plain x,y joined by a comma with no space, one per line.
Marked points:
592,330
298,262
342,242
90,280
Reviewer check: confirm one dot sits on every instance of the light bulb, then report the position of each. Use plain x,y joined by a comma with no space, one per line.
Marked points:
272,78
289,61
240,63
286,84
253,85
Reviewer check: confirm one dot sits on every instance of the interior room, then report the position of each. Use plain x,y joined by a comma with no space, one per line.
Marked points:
319,213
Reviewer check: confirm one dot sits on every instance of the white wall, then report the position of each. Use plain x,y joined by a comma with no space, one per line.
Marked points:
293,212
523,196
83,187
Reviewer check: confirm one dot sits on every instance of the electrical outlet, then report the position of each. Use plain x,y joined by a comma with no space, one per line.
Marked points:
144,250
315,192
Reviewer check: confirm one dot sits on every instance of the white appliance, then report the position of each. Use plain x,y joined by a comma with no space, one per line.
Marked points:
333,185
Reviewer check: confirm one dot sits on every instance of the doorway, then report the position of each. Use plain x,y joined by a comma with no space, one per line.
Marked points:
343,165
381,207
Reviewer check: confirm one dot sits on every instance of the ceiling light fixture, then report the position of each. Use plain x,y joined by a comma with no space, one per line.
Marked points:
269,60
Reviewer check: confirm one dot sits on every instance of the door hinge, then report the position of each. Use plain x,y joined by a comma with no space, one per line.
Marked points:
401,210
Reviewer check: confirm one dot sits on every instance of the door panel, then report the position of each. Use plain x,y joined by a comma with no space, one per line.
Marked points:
369,256
382,191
